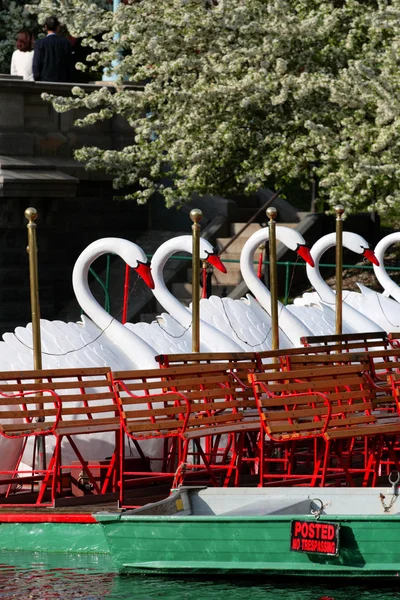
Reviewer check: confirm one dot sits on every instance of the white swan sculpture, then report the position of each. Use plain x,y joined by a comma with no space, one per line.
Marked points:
385,309
248,320
390,288
99,341
353,320
172,333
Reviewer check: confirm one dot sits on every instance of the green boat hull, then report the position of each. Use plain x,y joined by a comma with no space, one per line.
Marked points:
369,546
71,538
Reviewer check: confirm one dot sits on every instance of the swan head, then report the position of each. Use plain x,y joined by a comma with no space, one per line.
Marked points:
144,271
135,257
305,253
370,255
356,243
209,254
216,262
294,241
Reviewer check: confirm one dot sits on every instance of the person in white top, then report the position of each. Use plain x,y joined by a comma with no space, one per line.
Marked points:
22,58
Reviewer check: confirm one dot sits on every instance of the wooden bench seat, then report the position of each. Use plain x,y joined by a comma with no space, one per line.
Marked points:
328,405
192,402
59,404
377,362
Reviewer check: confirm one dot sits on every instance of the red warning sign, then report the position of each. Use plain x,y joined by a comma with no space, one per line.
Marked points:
315,537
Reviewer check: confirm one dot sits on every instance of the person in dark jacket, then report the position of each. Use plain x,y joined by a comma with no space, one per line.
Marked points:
52,58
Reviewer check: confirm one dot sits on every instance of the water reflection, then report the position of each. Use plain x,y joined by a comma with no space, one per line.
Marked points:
152,588
50,577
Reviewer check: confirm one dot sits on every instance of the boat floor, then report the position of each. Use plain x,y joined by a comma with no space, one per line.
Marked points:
90,504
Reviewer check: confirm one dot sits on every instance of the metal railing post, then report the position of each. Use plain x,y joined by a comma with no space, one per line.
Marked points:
31,215
273,280
339,210
196,215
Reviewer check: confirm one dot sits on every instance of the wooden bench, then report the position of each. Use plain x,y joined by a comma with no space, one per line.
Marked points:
240,363
348,342
383,355
193,402
329,406
57,405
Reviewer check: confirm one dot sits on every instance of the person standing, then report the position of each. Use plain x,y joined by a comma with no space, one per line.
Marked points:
52,58
21,61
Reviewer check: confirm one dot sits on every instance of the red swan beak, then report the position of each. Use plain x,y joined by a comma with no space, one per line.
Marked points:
216,262
369,254
144,271
305,254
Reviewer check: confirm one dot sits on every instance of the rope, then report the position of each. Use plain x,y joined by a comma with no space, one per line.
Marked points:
260,263
157,320
88,343
204,281
346,294
126,295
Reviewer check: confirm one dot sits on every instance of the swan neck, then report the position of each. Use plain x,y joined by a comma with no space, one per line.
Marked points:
390,287
289,323
113,329
160,291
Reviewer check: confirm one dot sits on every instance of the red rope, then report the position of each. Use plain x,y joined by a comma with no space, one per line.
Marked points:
260,264
204,280
126,295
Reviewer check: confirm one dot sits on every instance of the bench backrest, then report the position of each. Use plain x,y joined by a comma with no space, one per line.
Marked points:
349,341
394,382
304,403
304,361
384,362
169,401
60,398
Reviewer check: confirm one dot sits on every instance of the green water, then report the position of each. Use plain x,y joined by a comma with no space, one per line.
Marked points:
50,577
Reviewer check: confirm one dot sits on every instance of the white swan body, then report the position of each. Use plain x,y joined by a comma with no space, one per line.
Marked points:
319,317
211,339
248,320
108,343
166,334
384,310
353,320
390,288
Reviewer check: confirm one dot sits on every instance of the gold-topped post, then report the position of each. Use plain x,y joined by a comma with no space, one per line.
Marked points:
339,210
196,215
31,215
273,279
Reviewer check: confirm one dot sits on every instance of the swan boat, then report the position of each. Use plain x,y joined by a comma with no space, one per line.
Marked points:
291,531
300,532
296,531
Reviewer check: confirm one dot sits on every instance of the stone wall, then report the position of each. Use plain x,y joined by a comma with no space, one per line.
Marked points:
75,207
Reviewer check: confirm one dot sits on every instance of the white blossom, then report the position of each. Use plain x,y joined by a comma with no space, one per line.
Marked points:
238,92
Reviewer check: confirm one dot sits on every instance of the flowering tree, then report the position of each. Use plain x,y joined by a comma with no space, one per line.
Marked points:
235,93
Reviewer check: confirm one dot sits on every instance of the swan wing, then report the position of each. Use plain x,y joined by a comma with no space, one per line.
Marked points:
383,311
261,313
307,299
64,345
236,319
319,318
165,335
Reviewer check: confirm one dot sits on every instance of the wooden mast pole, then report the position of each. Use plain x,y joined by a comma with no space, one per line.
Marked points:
196,215
339,210
273,279
31,215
